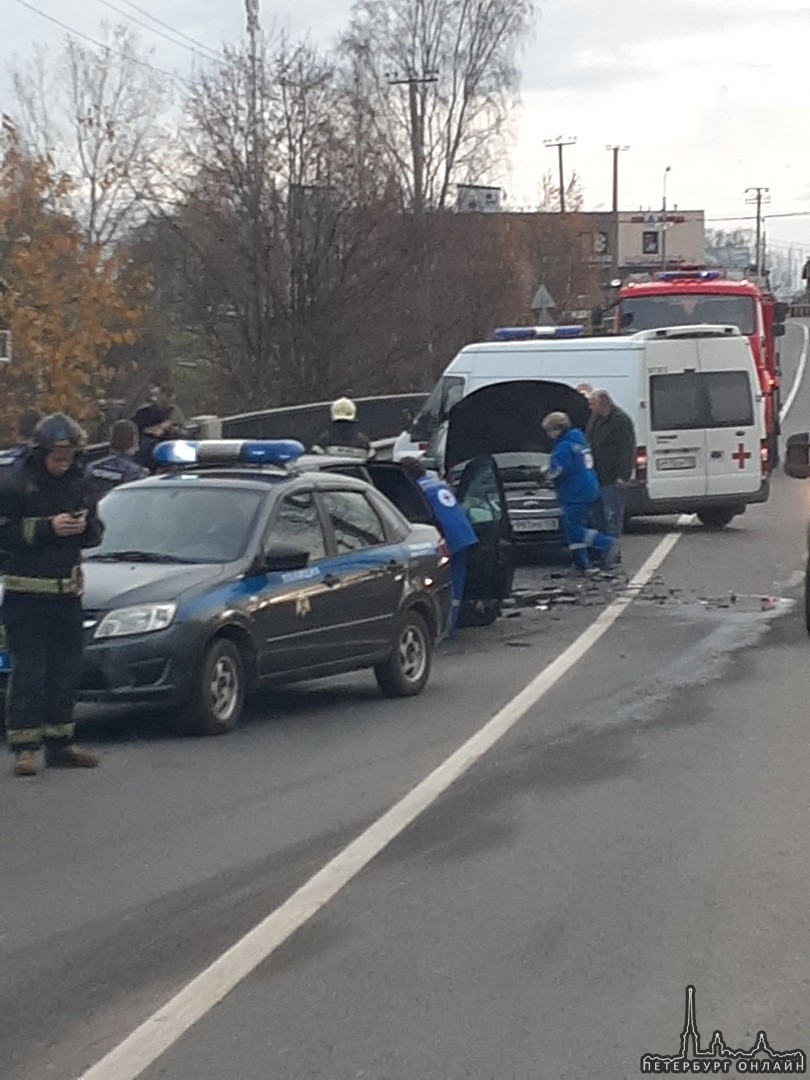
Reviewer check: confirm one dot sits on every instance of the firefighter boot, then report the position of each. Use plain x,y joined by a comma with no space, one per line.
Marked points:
67,756
25,763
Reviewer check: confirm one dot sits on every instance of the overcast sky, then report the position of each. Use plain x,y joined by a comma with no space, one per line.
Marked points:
717,89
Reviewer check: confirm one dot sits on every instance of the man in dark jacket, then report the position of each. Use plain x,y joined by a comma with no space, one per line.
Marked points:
26,426
343,436
159,420
612,439
571,470
47,516
117,467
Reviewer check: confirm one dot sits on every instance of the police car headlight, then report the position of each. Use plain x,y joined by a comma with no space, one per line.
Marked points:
135,620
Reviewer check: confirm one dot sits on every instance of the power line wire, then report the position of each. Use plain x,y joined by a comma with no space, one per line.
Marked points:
174,30
99,44
153,30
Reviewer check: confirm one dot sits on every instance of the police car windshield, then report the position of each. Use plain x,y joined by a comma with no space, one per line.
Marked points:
178,523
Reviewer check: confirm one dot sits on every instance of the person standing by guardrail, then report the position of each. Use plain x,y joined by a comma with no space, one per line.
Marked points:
343,436
47,516
117,467
160,419
26,426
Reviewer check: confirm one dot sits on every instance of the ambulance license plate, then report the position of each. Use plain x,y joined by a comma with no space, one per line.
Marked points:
669,464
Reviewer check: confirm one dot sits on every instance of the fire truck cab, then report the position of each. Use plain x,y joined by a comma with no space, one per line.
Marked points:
692,295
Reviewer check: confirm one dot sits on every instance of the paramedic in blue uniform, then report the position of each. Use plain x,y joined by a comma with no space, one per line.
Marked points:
26,426
453,524
574,477
118,467
47,515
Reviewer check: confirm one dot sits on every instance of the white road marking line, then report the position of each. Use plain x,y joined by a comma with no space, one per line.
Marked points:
797,382
159,1032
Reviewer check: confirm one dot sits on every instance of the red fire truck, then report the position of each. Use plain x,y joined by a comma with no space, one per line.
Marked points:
692,295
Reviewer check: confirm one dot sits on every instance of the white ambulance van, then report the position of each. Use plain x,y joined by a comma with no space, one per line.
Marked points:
691,391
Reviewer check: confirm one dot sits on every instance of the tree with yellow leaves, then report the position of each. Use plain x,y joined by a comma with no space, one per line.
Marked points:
66,302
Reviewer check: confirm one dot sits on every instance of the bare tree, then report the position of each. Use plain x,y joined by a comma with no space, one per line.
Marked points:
450,130
97,114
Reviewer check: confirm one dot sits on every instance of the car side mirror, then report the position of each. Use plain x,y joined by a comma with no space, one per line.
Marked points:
279,557
797,456
780,311
779,329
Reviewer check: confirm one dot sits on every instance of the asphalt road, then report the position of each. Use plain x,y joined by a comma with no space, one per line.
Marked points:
639,829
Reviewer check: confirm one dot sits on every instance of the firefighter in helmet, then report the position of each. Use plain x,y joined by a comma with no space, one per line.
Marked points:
47,516
343,436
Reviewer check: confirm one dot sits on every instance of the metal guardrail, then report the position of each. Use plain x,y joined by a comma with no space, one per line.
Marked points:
799,311
378,416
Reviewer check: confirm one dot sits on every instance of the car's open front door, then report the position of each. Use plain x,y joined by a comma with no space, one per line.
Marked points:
480,492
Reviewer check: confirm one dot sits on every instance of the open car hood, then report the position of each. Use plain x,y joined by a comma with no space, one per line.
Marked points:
505,418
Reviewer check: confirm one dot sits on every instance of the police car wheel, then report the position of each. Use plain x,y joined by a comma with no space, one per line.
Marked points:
218,695
406,670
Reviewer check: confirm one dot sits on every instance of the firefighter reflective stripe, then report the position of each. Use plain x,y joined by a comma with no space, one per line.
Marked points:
71,586
27,736
29,529
60,731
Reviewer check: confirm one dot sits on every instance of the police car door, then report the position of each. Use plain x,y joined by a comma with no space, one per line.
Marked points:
367,572
490,569
296,610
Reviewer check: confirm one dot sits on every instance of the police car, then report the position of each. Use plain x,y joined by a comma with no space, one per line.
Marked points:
235,568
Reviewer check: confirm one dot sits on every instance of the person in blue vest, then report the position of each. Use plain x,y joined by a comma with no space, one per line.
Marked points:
572,472
452,522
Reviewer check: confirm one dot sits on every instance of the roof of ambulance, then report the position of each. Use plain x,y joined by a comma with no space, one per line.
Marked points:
573,345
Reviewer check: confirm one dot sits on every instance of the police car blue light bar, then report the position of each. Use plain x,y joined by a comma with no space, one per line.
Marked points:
533,333
228,451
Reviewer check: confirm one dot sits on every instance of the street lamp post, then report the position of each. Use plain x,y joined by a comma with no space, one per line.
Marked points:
667,171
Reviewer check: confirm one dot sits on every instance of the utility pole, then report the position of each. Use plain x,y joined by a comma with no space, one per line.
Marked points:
614,240
422,285
560,142
667,171
758,196
616,150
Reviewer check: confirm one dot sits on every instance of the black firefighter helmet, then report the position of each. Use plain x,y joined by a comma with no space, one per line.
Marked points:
57,431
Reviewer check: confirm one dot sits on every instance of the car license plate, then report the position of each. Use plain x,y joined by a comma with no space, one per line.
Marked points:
535,525
5,663
668,464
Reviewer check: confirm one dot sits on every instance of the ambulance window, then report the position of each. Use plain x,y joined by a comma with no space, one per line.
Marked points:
676,402
729,399
710,400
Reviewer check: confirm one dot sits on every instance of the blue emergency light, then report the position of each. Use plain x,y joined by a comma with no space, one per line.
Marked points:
533,333
227,451
689,275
